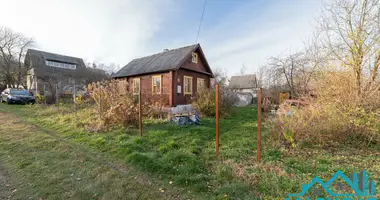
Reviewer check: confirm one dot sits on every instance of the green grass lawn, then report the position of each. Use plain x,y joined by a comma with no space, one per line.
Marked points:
184,157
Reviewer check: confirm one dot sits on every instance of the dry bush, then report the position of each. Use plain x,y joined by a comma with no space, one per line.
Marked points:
114,105
205,101
337,114
155,107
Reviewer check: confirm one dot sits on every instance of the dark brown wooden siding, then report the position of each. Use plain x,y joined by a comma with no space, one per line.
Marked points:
146,87
186,99
200,66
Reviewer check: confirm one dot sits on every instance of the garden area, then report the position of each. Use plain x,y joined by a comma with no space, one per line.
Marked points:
180,159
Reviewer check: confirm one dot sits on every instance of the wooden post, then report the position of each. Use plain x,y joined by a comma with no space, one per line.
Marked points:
259,94
140,111
100,102
217,119
56,95
36,87
44,93
74,96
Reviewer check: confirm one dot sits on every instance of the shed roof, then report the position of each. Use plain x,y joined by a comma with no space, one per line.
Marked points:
243,82
164,61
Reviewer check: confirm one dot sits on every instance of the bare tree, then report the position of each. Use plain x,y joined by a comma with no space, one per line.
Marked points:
352,36
220,77
13,47
286,70
243,70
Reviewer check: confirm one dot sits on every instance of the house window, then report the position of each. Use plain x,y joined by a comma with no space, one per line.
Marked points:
60,64
194,58
188,85
156,84
200,83
136,86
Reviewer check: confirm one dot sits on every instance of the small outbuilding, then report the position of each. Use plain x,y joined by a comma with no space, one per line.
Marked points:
245,88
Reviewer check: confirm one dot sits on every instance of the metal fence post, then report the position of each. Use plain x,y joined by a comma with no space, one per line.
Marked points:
259,124
56,95
44,93
140,111
74,96
217,119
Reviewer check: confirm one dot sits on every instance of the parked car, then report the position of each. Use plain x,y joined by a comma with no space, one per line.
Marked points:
18,96
289,105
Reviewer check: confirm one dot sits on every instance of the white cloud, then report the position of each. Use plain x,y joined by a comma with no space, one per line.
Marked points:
119,30
100,30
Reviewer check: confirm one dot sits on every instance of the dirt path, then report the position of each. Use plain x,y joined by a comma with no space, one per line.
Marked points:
5,190
44,165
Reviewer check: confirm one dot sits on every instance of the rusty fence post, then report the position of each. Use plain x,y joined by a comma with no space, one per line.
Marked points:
217,119
259,94
140,111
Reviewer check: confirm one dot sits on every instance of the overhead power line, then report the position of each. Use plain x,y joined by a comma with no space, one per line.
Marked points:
200,23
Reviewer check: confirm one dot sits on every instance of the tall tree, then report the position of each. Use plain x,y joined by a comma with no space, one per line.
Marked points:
352,36
13,47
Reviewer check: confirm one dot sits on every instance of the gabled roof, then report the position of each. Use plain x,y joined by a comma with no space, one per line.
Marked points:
55,57
36,59
243,82
160,62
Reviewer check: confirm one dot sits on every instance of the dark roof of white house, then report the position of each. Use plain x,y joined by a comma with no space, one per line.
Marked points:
36,59
160,62
243,82
56,57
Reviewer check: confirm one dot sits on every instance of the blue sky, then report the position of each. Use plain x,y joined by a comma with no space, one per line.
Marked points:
233,33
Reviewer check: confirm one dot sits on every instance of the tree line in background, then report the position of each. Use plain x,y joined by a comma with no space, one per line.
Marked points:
13,47
338,73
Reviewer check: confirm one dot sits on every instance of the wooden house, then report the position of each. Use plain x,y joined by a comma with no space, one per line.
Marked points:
174,75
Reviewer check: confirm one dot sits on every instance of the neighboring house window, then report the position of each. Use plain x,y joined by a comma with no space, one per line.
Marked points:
60,65
136,86
188,85
194,58
156,84
200,83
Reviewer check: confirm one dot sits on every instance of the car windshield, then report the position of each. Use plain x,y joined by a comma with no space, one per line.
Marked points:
20,92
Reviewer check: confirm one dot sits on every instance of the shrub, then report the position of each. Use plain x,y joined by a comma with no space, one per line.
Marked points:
205,102
114,104
39,99
336,115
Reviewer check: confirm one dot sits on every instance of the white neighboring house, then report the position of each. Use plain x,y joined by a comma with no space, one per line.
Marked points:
245,88
50,71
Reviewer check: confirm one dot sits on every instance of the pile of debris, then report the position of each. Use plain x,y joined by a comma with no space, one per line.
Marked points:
184,115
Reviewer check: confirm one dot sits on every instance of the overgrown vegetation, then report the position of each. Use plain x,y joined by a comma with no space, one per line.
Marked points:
343,83
206,105
185,156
